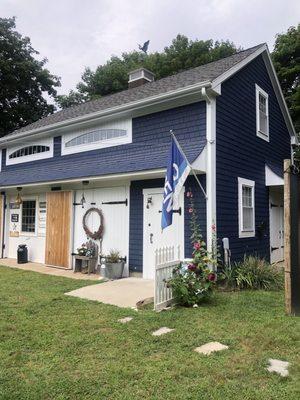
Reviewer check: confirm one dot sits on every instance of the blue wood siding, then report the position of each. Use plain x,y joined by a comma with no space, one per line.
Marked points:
147,151
240,153
136,217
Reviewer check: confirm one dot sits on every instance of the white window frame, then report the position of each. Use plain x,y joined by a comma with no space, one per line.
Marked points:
24,233
125,124
262,135
241,183
31,157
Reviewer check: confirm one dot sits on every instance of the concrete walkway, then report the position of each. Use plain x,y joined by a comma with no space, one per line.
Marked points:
44,269
122,292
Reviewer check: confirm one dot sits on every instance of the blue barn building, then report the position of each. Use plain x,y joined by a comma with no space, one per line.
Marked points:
232,122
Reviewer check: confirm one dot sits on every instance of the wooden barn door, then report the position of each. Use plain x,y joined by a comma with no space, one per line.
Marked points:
58,229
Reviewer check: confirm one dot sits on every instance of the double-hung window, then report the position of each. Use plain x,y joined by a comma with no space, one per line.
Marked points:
28,216
262,113
246,207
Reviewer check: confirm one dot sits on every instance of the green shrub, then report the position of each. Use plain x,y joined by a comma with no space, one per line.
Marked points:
192,284
253,273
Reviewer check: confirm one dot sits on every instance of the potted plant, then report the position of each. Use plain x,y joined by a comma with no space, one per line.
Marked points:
114,265
82,250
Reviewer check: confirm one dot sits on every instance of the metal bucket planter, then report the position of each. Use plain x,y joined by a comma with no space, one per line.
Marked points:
114,270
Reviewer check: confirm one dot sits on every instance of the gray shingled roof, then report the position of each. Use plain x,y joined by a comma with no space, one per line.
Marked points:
203,73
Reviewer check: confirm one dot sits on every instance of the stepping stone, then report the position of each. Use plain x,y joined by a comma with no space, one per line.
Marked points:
278,366
125,320
210,348
162,331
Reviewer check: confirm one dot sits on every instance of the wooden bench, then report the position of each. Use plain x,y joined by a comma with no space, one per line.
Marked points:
82,262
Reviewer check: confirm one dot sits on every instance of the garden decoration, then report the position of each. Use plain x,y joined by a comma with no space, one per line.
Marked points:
87,258
193,283
97,235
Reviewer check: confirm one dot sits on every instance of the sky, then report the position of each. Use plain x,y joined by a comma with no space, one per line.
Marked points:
74,34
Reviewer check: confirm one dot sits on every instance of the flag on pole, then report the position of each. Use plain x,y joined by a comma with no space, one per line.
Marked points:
178,169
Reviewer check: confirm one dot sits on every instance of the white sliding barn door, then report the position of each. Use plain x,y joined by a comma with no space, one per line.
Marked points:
116,218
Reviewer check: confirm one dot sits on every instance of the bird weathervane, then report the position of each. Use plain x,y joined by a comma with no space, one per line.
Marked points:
145,46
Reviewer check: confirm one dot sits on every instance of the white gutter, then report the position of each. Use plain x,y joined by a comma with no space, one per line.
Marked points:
134,105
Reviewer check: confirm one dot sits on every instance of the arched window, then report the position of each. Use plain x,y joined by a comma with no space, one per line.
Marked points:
29,150
99,135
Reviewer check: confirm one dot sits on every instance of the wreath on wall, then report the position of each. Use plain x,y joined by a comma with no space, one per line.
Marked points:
97,235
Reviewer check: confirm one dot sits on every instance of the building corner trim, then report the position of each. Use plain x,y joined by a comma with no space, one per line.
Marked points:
211,213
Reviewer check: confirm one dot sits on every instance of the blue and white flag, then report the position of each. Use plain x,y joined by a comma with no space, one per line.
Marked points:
178,170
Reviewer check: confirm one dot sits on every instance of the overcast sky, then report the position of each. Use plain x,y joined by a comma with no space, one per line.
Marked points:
74,34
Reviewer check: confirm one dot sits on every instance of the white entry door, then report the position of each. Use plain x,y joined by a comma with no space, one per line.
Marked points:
154,238
276,227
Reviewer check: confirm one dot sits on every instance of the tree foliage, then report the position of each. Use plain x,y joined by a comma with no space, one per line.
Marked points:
286,58
112,76
23,80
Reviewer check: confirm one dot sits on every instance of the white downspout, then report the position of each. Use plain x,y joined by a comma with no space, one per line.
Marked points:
211,205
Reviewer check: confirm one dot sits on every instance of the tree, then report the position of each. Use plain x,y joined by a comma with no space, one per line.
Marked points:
112,76
286,58
23,80
73,98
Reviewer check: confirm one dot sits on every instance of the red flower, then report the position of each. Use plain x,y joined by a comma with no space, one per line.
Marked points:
213,227
212,277
191,210
188,194
192,267
197,246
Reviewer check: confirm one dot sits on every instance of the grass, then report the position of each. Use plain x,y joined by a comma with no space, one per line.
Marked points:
54,346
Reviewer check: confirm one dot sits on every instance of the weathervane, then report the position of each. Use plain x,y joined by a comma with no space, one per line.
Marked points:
145,46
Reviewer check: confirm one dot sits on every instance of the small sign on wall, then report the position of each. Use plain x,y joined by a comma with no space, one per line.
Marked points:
14,206
14,218
13,233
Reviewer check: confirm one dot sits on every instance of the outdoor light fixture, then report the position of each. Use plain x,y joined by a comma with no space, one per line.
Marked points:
83,201
149,202
18,198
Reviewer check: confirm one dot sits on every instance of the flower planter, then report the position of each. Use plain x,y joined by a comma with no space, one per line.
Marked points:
114,270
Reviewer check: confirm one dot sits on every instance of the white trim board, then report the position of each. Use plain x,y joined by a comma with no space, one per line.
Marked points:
125,124
210,155
31,157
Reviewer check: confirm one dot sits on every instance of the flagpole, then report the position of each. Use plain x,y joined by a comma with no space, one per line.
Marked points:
194,173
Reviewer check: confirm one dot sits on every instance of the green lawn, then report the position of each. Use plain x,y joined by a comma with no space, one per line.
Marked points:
58,347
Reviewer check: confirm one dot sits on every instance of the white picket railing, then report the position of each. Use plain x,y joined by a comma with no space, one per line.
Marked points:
166,260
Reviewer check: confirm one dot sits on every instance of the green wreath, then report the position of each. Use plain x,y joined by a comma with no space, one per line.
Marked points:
97,235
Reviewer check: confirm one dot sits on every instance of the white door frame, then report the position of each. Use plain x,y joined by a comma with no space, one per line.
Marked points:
149,192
